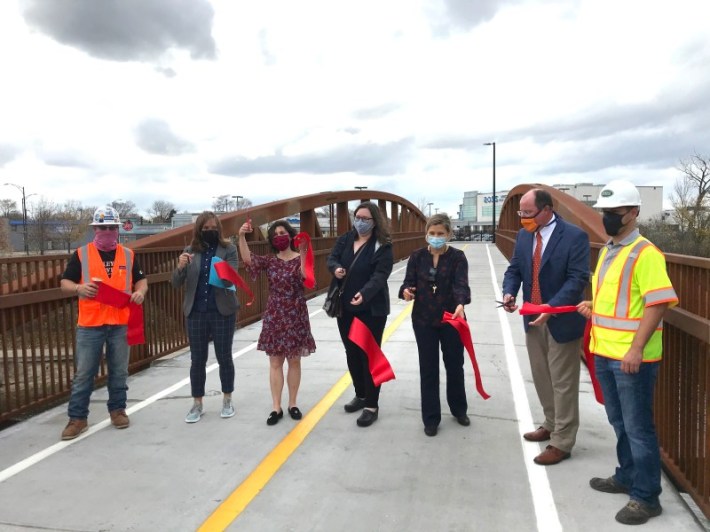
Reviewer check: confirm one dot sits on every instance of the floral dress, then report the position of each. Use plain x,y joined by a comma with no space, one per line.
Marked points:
286,329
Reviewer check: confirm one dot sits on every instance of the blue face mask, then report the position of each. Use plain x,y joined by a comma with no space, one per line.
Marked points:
436,242
363,226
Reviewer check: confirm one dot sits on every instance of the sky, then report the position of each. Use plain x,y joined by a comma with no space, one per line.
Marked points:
185,100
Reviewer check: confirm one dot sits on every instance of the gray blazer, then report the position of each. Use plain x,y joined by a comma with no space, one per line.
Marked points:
227,302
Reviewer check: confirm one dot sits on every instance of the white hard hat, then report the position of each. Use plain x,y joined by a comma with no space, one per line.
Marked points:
618,193
105,216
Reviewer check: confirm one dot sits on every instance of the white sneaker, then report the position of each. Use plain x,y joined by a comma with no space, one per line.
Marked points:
227,408
195,413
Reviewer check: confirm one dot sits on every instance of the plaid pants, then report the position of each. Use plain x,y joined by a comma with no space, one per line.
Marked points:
201,328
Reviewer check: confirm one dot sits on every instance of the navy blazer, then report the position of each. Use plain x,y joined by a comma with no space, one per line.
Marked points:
564,274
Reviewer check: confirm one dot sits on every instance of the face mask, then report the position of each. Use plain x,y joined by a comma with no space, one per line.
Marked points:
106,240
363,226
612,223
436,242
529,224
210,237
281,242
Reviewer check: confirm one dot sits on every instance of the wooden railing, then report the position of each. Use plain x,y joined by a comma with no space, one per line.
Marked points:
683,389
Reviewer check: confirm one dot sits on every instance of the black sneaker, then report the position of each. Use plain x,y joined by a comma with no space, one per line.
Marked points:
354,405
431,430
367,418
637,513
607,485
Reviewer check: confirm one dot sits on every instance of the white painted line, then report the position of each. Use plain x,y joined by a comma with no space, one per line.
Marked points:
543,501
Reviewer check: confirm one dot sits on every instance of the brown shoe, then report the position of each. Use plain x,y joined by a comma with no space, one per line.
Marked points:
119,419
551,456
541,434
74,428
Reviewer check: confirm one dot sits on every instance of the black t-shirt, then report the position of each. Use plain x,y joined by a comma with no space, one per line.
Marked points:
73,271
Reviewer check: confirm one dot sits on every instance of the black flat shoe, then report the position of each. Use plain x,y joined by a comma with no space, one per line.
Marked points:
274,417
431,430
294,412
463,420
367,418
354,405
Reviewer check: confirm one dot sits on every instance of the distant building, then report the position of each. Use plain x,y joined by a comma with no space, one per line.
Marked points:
651,197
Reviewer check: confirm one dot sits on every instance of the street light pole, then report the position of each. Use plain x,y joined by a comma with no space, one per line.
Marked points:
24,215
430,204
494,188
238,198
360,188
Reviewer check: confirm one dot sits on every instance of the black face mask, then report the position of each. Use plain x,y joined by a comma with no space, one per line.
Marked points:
210,237
612,223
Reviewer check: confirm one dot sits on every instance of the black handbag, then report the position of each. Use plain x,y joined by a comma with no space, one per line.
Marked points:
333,305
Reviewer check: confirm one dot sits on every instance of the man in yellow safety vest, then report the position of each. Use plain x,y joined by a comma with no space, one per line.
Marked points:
631,291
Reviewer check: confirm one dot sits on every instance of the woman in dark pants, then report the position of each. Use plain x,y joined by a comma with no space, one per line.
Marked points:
210,311
437,281
365,256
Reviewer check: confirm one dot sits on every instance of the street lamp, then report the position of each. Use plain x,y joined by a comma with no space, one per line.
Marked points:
24,214
494,187
238,198
430,204
361,188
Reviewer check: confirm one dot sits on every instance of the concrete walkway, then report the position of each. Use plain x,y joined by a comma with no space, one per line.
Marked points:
324,473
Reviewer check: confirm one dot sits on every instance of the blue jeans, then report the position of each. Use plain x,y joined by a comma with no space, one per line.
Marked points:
628,400
90,342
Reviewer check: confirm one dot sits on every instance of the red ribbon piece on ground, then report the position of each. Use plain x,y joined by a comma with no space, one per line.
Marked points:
310,279
227,273
528,309
464,331
380,368
107,295
589,359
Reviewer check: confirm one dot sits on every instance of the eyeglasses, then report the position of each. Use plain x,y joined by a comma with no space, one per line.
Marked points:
432,275
363,219
528,214
106,227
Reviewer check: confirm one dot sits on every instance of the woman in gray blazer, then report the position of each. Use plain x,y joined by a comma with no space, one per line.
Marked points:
210,311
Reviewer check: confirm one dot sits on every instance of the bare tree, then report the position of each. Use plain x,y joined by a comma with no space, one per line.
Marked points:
8,208
226,203
71,222
161,211
5,245
40,225
691,201
422,204
126,209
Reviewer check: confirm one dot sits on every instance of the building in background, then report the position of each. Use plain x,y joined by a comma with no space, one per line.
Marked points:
651,198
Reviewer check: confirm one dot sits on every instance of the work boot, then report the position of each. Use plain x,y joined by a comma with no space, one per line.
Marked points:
74,428
119,419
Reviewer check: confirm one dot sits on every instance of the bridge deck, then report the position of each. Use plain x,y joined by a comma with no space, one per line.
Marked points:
324,473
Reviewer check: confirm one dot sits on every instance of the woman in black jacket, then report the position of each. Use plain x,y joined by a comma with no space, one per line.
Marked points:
365,256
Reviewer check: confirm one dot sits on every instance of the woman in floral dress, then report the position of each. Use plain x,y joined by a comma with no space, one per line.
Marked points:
286,329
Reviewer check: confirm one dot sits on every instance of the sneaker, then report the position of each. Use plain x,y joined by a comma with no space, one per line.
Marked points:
119,419
74,428
637,513
607,485
227,408
195,413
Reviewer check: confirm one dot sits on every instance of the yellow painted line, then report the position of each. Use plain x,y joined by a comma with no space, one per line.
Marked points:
240,498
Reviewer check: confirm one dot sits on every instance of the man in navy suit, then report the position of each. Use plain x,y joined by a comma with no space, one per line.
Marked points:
553,340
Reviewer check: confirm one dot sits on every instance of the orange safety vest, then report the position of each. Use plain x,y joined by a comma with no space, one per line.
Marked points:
91,312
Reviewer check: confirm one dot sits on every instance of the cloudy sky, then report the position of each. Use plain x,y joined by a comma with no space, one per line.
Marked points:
184,100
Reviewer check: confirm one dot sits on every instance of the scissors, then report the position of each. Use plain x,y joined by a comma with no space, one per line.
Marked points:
508,304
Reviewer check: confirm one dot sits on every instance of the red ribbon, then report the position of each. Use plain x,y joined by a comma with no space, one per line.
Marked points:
310,279
226,273
380,368
528,308
108,295
464,331
589,359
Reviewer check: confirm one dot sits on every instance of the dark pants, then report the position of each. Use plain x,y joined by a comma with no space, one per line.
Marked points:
428,341
357,359
201,328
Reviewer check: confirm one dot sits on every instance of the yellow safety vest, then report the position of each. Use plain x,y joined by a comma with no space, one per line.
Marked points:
622,289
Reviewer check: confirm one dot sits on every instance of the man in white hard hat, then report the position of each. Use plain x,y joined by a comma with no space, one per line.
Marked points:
631,293
102,261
